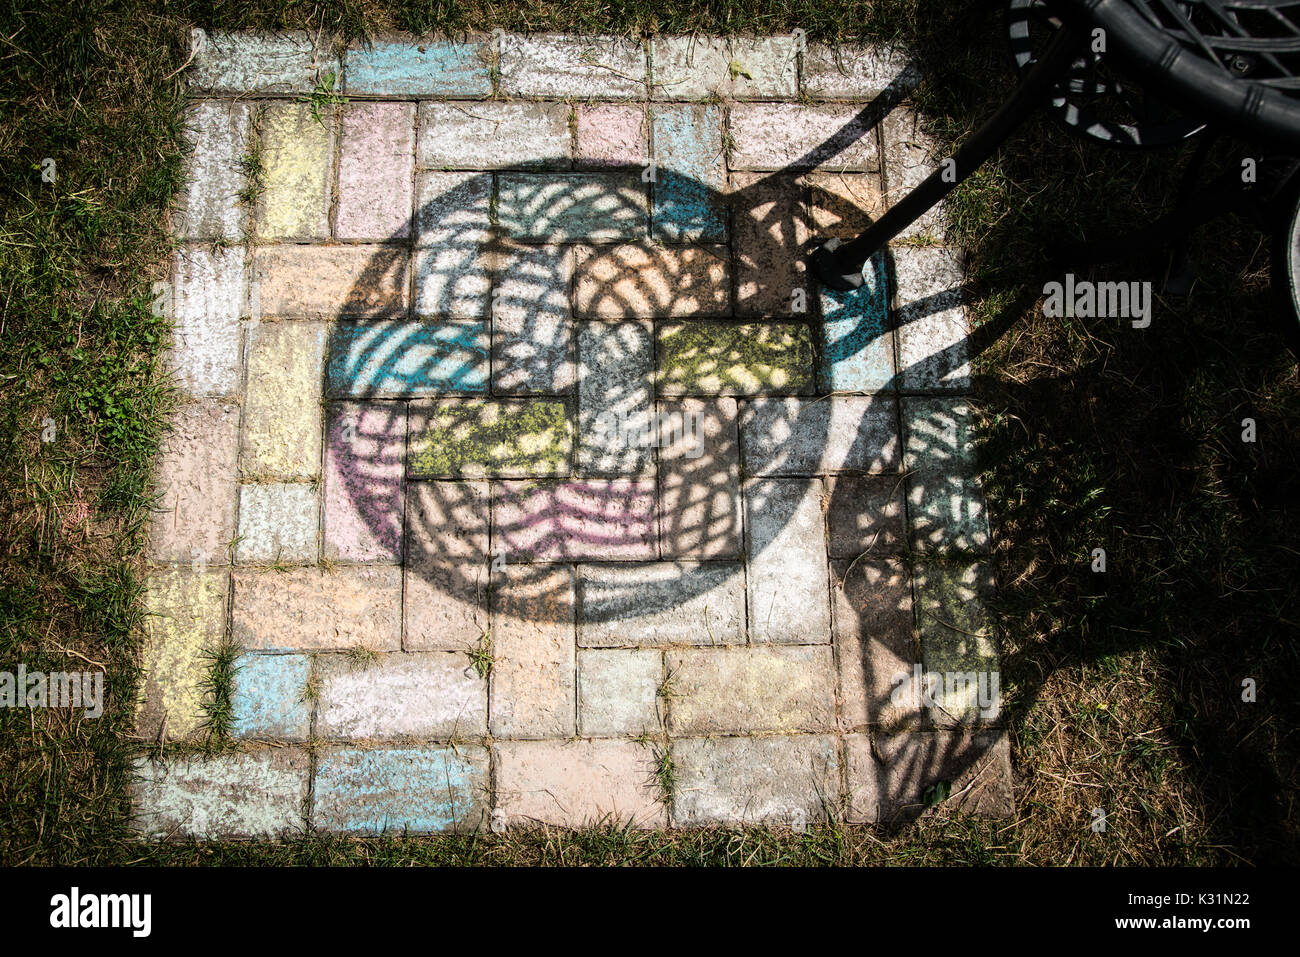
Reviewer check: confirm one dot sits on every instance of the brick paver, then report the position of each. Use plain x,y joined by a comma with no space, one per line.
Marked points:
227,796
690,174
282,410
478,136
209,295
312,609
740,690
846,74
526,469
415,789
186,616
677,603
693,68
429,695
298,161
572,784
793,138
196,478
376,160
242,63
218,132
271,697
392,66
582,67
785,780
716,358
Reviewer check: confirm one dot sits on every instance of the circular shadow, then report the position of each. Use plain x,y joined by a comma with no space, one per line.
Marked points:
578,494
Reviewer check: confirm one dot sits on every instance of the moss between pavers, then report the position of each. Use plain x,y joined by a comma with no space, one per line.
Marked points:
473,438
715,358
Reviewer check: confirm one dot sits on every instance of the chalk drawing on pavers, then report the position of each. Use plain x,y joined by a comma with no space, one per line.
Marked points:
503,485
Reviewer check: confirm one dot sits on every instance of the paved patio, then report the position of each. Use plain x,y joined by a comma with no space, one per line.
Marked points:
528,470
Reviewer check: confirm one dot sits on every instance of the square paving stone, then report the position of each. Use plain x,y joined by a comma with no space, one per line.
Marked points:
278,523
473,439
783,780
416,789
270,697
571,207
842,205
577,783
618,692
453,281
400,695
453,210
977,768
612,134
227,796
727,358
661,603
425,68
445,606
446,522
865,514
364,475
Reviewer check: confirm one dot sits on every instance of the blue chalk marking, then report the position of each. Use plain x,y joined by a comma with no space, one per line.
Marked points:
857,347
401,69
394,789
398,359
689,176
267,699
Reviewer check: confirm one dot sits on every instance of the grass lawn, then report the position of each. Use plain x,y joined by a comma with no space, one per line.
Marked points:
1122,690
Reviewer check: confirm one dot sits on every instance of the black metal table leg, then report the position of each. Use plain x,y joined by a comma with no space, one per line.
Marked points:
839,265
